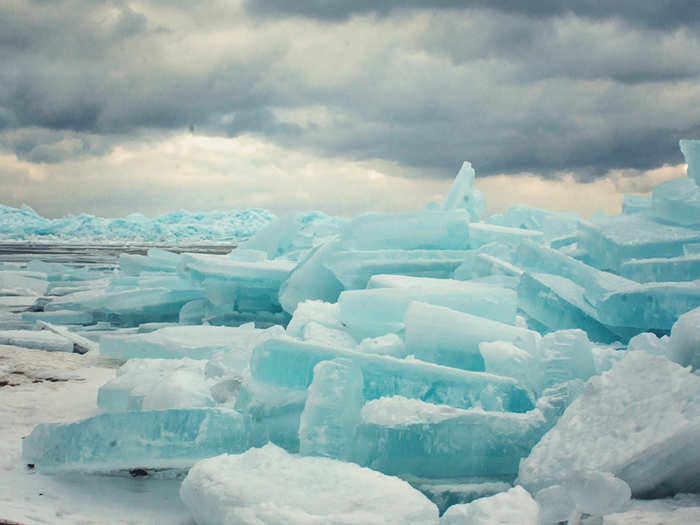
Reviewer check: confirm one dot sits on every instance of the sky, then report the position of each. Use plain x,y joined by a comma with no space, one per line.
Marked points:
345,106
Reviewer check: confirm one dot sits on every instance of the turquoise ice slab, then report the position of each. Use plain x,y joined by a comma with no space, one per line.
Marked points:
353,268
551,223
609,241
635,204
558,303
663,269
541,259
423,230
446,442
290,363
482,233
332,410
447,337
651,306
677,201
125,440
384,308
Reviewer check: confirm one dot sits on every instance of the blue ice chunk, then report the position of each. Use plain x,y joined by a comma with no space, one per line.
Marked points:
289,363
541,259
566,355
465,271
293,233
662,269
691,152
482,233
691,248
311,280
332,410
60,317
407,436
195,342
272,413
677,201
423,230
353,268
193,312
377,311
157,260
485,265
650,306
156,384
552,224
463,195
451,338
126,440
609,241
635,204
558,303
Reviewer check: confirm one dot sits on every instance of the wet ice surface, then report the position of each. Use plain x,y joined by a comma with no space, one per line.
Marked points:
474,360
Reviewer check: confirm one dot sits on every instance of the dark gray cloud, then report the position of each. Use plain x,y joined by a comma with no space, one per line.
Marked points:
658,14
513,86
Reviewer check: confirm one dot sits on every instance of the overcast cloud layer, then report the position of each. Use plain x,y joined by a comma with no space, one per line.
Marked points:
335,91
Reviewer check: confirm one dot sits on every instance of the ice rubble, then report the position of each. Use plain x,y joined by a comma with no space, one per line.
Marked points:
424,345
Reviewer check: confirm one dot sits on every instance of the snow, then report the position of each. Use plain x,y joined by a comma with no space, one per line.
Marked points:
271,487
506,508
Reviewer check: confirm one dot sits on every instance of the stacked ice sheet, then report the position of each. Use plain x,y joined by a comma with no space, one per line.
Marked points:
532,348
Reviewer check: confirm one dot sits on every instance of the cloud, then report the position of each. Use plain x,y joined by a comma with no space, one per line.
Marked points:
545,88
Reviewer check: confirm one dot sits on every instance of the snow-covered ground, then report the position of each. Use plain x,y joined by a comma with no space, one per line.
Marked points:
52,387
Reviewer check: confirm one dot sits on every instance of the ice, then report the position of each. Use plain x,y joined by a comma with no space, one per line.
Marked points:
610,241
677,201
506,508
320,312
651,306
81,345
691,248
269,486
639,421
195,342
447,492
126,440
38,339
558,303
635,204
556,505
691,152
551,223
156,261
22,283
60,317
378,311
289,363
354,268
448,337
293,233
463,194
598,493
388,344
156,384
180,226
311,280
648,342
425,230
684,344
332,411
683,268
503,358
482,233
407,436
317,333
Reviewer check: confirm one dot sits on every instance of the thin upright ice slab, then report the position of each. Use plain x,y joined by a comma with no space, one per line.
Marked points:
289,363
332,410
677,201
269,486
407,436
451,338
464,196
353,268
639,421
610,241
126,440
423,230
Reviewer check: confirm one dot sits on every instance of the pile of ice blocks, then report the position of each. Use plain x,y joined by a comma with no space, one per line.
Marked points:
458,354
